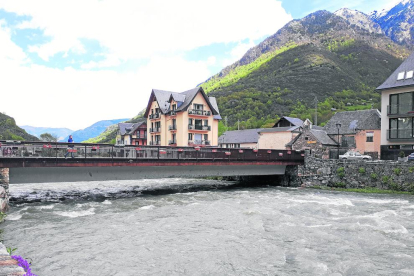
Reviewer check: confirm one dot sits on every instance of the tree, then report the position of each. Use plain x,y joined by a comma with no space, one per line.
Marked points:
47,137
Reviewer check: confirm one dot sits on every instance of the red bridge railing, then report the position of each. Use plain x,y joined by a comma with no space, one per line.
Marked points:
57,150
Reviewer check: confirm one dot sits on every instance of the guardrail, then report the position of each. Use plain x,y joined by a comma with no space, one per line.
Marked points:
53,150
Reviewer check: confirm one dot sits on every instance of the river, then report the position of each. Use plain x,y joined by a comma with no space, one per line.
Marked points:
206,227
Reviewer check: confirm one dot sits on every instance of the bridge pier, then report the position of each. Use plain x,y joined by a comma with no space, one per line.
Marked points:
4,189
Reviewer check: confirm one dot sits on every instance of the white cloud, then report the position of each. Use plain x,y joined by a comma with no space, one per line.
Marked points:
139,29
160,31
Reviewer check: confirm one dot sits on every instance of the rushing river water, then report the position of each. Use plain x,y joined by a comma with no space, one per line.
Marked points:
201,227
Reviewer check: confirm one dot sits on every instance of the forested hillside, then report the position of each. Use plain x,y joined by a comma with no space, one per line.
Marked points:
321,56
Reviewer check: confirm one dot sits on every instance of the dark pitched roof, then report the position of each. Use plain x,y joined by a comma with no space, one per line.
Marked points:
393,82
124,128
280,129
352,120
186,98
213,102
323,137
319,135
240,136
293,121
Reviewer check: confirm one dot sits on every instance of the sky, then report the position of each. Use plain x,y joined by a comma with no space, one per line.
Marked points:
73,63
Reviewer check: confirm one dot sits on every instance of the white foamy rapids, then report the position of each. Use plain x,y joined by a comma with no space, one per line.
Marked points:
324,200
14,216
149,207
75,214
107,202
105,189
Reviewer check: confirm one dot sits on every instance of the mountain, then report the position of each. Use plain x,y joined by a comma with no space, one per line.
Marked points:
93,130
61,133
339,58
10,131
398,22
109,135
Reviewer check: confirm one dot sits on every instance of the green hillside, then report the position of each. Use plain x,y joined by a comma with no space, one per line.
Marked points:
10,131
319,56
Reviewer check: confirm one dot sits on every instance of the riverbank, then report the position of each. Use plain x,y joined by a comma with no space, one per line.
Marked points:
360,190
9,266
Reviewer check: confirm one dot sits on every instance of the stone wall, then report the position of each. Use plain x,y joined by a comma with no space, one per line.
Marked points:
357,174
4,189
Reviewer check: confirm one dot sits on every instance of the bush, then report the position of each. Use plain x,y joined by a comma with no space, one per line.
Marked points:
385,179
394,186
401,154
397,171
339,185
341,172
374,176
411,169
361,170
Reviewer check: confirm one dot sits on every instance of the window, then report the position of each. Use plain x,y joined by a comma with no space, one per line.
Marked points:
306,138
174,107
407,147
205,122
174,138
190,121
409,75
137,143
198,106
370,136
198,124
190,136
401,75
174,123
205,137
401,128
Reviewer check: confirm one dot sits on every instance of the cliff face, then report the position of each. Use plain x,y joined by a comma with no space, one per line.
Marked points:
10,131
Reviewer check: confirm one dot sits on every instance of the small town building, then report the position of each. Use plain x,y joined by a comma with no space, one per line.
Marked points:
358,130
188,118
247,138
277,137
313,139
132,133
397,109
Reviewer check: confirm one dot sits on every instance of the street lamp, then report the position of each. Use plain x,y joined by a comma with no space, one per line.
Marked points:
338,126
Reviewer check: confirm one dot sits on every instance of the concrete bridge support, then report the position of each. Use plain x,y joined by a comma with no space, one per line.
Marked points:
4,189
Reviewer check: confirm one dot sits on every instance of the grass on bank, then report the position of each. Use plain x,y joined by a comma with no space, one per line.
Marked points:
361,190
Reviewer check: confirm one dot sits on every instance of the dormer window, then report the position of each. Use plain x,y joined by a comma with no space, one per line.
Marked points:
401,75
409,75
198,106
174,107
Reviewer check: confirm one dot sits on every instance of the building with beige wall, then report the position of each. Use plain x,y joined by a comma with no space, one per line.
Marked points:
397,109
182,119
277,137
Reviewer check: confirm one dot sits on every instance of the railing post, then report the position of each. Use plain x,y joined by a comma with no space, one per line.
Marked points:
158,152
85,151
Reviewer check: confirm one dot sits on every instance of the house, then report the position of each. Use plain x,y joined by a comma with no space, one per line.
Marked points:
277,137
247,138
359,130
315,139
188,118
284,131
132,133
397,110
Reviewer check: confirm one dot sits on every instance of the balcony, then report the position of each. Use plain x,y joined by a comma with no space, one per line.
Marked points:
155,143
400,134
154,130
172,142
155,116
172,127
198,127
199,143
199,112
173,113
400,109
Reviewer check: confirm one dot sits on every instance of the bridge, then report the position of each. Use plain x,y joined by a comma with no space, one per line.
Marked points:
39,162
